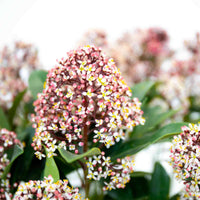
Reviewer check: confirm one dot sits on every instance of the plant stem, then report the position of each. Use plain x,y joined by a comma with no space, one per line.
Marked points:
85,148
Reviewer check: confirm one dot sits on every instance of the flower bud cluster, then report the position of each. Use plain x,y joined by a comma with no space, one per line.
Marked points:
47,189
185,159
7,140
83,93
116,174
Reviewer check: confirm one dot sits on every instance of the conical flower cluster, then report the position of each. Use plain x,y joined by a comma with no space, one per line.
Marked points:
84,93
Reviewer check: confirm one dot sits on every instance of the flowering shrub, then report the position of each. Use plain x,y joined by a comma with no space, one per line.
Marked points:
88,122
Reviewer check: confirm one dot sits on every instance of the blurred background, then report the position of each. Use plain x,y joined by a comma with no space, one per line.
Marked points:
47,29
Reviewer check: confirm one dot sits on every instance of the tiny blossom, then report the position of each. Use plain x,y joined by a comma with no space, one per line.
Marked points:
116,175
71,103
7,140
185,159
46,190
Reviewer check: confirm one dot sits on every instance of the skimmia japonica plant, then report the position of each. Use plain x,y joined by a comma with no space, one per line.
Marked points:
86,103
84,118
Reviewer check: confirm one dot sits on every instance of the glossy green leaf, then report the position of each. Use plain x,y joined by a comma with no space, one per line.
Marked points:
36,82
13,109
160,183
3,120
70,157
19,171
51,169
153,116
140,90
133,146
13,153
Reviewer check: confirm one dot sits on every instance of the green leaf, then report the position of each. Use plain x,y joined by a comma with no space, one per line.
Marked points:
140,90
4,121
153,116
133,146
36,82
13,153
13,109
140,174
51,169
23,171
160,182
70,157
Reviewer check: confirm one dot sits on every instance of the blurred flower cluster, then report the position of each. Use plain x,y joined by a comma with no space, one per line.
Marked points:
181,80
7,140
16,63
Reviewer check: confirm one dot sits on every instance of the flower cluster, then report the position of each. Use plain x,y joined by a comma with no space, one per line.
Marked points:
15,66
139,54
46,190
175,94
84,95
182,79
102,167
7,140
185,159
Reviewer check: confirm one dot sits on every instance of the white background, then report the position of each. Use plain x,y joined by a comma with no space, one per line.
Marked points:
55,26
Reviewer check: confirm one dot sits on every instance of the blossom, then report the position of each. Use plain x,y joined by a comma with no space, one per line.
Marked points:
115,175
185,159
7,140
71,103
46,190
